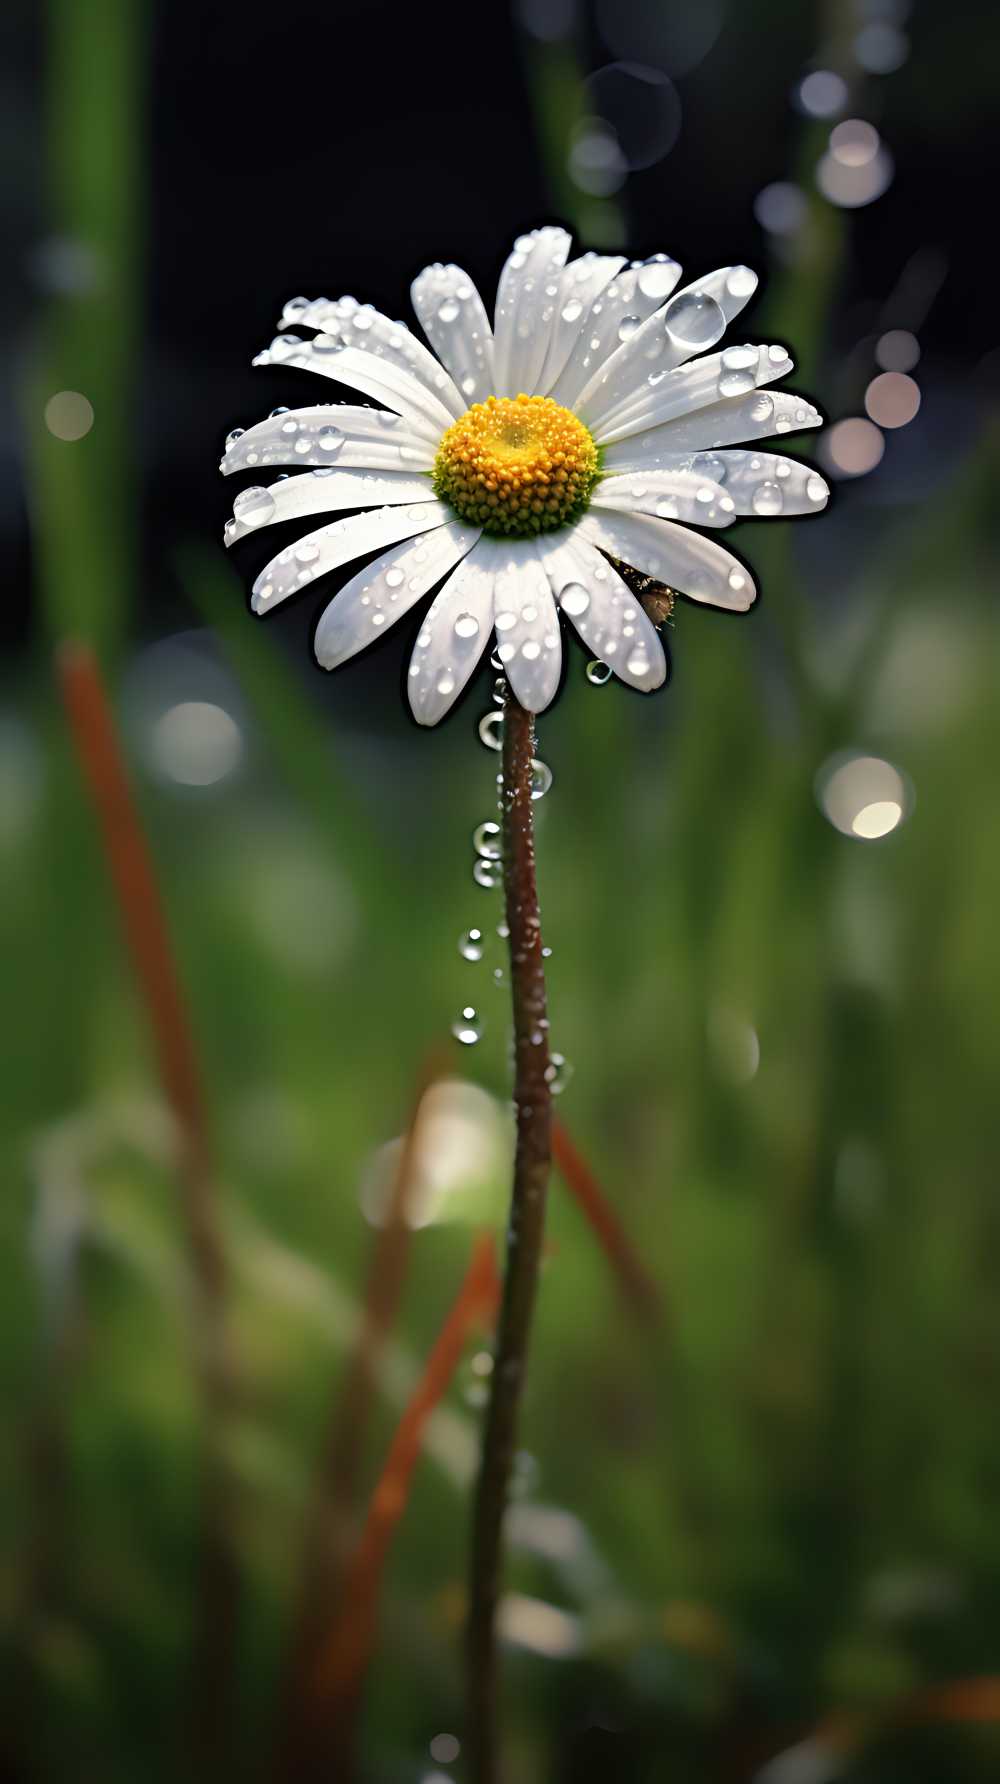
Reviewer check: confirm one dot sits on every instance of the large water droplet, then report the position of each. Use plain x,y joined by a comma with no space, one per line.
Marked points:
468,1028
574,599
448,311
541,778
694,319
466,625
742,282
491,730
254,507
233,435
572,311
487,841
767,499
598,673
470,944
658,276
330,439
628,326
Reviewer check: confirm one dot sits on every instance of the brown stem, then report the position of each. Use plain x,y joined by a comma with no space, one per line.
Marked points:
130,865
533,1109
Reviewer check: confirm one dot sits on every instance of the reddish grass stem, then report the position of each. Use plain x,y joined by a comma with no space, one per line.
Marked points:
526,1231
641,1293
340,1664
133,875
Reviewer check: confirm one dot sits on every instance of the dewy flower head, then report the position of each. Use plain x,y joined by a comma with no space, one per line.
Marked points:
516,465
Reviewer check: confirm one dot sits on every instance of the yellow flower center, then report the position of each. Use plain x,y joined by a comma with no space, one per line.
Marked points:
516,465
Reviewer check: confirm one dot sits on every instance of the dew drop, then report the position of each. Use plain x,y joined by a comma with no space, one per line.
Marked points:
742,282
816,489
558,1073
487,873
394,577
448,311
468,1028
574,599
233,435
638,663
470,944
491,730
505,619
572,311
306,553
694,319
254,507
767,499
531,649
330,439
486,840
763,407
446,682
598,673
466,625
628,326
541,778
658,276
499,691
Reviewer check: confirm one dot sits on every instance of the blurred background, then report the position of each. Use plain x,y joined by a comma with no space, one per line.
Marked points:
756,1532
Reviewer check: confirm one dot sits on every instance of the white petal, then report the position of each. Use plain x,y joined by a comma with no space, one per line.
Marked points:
454,634
526,309
675,555
725,423
764,484
381,593
695,498
359,325
396,386
527,625
609,619
632,296
331,433
580,283
734,372
694,320
455,322
320,492
330,546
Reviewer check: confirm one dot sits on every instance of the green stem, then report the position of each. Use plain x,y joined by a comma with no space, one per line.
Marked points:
533,1108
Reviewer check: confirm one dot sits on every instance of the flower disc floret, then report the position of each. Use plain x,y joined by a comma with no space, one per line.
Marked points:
517,466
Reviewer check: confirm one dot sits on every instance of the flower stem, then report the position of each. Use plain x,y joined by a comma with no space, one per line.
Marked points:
533,1107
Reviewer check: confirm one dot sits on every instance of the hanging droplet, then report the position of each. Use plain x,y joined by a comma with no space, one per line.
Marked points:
499,690
487,872
491,730
598,673
233,435
486,840
541,778
558,1073
468,1027
499,977
470,944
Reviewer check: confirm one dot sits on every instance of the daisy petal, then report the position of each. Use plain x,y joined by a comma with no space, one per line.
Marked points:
609,619
526,308
581,282
364,439
764,484
453,318
320,492
629,298
694,320
726,423
527,625
330,546
383,591
682,559
380,378
693,497
452,639
734,372
360,325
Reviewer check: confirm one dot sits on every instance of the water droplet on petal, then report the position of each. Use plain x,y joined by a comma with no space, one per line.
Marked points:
448,311
742,282
330,439
767,499
598,673
466,625
694,320
254,507
658,276
233,435
572,311
574,599
628,326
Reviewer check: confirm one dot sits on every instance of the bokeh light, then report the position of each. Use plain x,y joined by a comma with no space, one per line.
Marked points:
897,350
196,743
781,207
642,107
596,162
852,448
881,48
69,415
892,399
674,38
852,184
862,796
822,94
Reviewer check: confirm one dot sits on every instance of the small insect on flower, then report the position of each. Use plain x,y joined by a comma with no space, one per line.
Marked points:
511,465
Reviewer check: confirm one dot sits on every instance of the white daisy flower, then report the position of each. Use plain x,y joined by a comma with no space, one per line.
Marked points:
591,422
